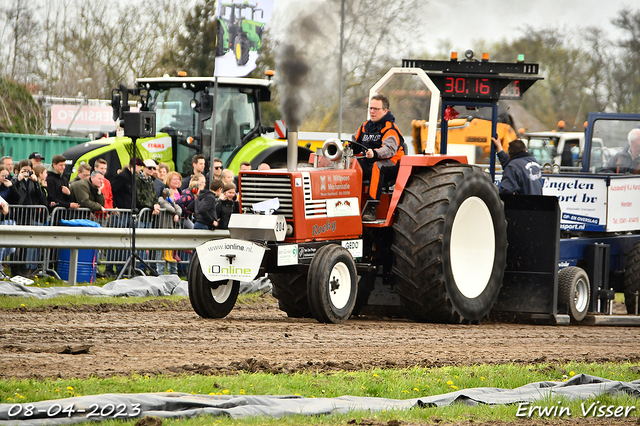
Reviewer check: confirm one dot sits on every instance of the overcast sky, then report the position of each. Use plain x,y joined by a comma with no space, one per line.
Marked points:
463,21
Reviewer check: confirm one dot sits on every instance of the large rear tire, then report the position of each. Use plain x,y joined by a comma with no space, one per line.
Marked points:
632,279
574,291
450,244
291,292
210,299
332,284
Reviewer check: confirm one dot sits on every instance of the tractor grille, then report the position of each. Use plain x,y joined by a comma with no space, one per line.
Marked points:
315,208
257,188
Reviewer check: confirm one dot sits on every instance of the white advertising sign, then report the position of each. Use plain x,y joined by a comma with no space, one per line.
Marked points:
85,118
230,259
354,247
583,201
157,144
288,255
343,207
624,204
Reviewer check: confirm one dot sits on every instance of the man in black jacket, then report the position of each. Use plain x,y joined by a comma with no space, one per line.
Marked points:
121,185
521,173
58,192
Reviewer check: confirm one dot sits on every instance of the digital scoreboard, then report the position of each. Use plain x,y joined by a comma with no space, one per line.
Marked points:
475,80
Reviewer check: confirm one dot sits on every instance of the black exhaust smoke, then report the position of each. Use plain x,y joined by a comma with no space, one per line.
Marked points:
296,73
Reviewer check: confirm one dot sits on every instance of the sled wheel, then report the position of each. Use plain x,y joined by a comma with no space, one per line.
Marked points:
574,290
210,299
632,279
332,284
450,244
291,292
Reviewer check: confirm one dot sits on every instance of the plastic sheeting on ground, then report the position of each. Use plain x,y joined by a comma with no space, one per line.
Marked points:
143,286
177,405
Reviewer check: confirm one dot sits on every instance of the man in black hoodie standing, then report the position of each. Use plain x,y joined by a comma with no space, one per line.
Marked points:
521,173
384,147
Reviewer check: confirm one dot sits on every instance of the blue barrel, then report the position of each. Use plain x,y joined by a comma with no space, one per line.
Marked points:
87,264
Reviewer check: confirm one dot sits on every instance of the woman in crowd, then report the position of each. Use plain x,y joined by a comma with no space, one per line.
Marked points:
173,180
27,186
41,174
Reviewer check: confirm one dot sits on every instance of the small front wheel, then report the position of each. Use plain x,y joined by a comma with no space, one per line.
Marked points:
210,299
332,284
574,290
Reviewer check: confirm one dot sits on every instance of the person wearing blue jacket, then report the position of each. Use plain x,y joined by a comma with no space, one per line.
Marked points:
521,173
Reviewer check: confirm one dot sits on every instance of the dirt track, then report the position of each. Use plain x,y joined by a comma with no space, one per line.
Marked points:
157,337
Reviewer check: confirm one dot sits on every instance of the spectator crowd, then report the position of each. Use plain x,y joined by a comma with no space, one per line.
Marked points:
195,201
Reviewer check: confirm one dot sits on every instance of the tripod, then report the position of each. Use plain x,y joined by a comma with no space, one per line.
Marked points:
130,264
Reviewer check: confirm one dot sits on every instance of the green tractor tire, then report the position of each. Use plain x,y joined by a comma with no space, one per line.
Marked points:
241,49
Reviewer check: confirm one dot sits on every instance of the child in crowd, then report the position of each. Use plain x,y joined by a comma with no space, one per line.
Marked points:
226,205
206,206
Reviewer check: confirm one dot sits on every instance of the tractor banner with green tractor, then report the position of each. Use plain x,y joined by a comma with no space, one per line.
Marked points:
239,35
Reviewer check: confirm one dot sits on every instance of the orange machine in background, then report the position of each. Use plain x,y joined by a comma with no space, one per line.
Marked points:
470,136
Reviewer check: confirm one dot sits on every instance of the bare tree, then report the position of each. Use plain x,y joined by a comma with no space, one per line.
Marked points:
626,71
376,35
23,30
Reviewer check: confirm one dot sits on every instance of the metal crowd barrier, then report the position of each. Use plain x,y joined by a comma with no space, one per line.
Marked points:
32,256
22,259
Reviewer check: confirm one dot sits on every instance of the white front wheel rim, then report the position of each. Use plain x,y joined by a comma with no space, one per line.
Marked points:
339,285
222,293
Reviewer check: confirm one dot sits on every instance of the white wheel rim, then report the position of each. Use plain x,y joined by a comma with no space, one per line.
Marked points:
580,297
222,293
339,285
472,247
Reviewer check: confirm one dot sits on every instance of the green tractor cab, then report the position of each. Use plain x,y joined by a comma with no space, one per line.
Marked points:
239,31
184,123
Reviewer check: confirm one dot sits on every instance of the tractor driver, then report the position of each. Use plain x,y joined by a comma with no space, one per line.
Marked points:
381,143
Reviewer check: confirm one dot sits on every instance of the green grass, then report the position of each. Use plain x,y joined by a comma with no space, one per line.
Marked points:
394,384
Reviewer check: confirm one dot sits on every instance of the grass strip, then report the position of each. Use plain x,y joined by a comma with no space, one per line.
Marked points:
385,383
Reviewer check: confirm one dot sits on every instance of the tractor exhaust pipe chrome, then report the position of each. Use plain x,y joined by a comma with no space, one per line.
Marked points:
292,151
333,151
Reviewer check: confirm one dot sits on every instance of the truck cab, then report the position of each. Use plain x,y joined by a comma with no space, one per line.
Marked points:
563,149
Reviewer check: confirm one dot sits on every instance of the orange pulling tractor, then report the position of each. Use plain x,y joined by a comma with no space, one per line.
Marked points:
439,241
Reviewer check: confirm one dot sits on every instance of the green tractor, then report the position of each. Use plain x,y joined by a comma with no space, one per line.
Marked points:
237,29
184,124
